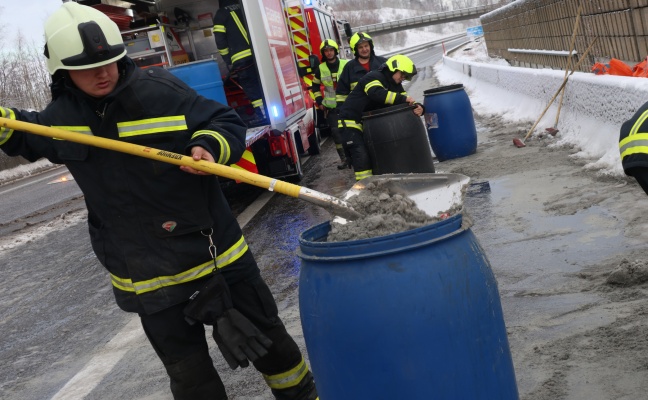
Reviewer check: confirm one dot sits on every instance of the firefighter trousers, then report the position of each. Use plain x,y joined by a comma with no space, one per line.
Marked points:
248,78
332,121
184,351
354,146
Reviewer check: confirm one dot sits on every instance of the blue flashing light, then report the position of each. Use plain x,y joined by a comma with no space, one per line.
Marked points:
308,2
275,112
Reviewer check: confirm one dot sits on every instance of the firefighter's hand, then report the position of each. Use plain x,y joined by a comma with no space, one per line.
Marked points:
198,153
239,340
418,111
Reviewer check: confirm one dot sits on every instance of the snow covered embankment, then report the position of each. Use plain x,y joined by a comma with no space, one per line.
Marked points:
593,109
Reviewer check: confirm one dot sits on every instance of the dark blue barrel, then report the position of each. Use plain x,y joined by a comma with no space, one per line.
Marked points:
449,121
396,141
204,77
414,315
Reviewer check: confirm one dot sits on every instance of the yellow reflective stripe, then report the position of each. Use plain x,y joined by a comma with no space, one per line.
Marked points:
219,28
257,103
223,52
78,129
316,81
240,26
391,97
232,254
5,133
329,103
229,256
340,97
363,174
225,152
242,54
347,123
638,123
290,378
635,144
353,85
151,125
373,84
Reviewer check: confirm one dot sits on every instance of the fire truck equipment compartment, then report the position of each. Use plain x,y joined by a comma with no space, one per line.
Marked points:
204,77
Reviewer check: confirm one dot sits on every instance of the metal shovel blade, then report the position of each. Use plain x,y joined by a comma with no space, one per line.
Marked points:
432,193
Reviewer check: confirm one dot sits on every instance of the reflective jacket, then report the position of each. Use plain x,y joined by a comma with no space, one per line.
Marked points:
146,218
377,89
633,141
231,35
325,76
352,73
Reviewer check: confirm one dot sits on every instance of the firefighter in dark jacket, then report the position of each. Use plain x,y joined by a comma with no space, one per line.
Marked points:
633,149
174,251
327,75
377,89
365,60
233,42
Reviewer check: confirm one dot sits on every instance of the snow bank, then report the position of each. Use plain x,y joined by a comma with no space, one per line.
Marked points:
593,109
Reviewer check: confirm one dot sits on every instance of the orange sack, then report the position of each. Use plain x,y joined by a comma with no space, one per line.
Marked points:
618,67
641,70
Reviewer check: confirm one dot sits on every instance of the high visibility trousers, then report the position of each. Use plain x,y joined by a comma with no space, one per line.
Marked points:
184,352
354,146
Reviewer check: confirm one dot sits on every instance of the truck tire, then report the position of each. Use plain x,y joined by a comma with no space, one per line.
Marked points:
314,142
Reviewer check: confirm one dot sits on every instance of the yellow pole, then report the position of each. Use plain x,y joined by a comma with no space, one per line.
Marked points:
156,154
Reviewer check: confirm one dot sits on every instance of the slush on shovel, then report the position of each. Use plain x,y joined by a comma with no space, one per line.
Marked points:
334,205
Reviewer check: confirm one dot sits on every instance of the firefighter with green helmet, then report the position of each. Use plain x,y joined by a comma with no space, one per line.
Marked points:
377,89
365,60
327,75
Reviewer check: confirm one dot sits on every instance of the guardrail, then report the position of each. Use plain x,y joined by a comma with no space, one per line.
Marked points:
424,46
425,20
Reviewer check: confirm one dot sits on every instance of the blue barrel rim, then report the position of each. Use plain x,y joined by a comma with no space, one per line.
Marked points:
443,89
464,225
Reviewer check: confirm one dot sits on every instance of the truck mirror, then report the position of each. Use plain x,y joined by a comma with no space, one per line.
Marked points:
347,30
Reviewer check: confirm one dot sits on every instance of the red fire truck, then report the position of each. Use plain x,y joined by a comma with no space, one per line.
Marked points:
177,34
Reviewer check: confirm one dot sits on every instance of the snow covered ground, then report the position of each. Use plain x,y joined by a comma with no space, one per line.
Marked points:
593,108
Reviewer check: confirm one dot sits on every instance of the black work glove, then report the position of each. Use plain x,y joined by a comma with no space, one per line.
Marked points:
237,338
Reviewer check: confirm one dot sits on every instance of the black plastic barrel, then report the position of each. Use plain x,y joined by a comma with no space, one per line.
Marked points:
449,121
396,141
414,315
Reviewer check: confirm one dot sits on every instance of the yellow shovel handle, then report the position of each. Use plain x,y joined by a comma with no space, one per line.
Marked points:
156,154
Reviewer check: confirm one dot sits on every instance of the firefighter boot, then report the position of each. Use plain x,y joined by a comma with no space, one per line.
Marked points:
343,161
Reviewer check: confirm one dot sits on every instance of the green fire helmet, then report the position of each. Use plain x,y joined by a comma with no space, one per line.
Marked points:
403,64
329,44
81,37
358,38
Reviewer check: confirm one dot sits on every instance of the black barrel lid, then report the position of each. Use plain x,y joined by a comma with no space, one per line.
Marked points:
442,89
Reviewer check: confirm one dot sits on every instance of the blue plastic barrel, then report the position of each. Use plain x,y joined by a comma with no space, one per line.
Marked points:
449,122
414,315
204,77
